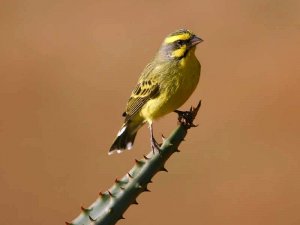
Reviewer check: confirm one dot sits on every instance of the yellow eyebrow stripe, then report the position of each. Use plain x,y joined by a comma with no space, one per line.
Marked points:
172,39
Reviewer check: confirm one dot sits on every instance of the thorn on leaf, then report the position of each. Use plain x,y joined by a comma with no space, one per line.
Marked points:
164,169
85,210
91,219
139,162
121,217
110,194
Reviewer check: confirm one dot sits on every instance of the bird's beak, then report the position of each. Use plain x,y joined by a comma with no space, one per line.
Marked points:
195,40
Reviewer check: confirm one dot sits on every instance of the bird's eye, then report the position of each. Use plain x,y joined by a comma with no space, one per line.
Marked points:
179,43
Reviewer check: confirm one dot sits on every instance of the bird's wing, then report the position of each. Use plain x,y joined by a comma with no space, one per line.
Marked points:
145,90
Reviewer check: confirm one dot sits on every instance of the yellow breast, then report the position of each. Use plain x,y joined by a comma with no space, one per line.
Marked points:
176,89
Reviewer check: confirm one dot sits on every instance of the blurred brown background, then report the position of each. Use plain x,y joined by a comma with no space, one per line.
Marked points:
67,69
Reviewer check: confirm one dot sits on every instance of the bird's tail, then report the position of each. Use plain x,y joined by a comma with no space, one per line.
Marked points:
125,137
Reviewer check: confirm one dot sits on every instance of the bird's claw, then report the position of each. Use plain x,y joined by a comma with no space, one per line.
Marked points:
155,146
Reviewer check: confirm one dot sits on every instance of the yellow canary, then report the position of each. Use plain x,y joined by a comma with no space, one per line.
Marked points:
164,85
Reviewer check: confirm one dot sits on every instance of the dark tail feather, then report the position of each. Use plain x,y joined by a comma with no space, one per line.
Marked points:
124,140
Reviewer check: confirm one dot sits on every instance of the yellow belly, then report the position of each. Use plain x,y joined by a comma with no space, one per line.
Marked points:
176,90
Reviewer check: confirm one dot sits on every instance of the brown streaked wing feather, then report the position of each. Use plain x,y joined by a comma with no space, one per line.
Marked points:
143,92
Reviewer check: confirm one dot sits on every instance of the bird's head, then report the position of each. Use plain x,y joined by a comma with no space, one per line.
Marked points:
178,44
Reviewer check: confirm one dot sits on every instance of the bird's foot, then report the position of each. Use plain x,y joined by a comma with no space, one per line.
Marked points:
155,145
186,118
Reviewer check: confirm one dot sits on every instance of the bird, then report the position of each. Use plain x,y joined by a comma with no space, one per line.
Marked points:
164,85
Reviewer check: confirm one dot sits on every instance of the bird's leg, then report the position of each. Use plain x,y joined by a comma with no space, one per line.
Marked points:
186,117
154,144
